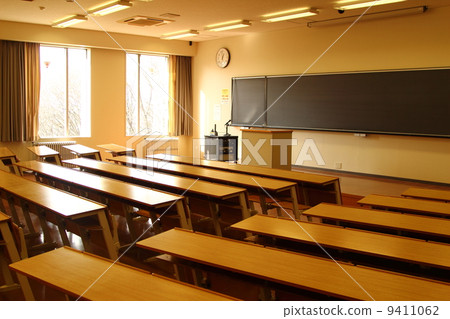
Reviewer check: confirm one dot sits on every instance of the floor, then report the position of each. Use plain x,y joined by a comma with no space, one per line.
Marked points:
353,188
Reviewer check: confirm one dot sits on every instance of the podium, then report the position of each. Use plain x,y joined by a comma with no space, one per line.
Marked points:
221,148
267,148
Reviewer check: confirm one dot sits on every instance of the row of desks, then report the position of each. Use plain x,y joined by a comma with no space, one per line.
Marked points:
55,205
213,193
408,250
327,186
264,187
129,195
87,277
296,270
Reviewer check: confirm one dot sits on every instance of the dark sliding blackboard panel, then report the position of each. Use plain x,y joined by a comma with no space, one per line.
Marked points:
397,102
248,101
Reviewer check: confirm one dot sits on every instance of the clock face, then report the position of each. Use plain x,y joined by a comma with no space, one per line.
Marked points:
222,57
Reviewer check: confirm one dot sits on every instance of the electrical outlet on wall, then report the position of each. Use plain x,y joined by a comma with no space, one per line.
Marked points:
338,165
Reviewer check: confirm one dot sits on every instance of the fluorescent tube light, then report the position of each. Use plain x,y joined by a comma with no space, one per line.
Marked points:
341,5
179,35
290,14
66,22
110,7
228,25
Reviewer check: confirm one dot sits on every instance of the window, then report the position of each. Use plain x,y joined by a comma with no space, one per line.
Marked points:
147,95
64,107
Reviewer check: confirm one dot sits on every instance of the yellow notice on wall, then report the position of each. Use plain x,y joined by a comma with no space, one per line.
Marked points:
225,97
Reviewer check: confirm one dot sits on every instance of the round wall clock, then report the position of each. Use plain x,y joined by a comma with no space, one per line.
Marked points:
223,57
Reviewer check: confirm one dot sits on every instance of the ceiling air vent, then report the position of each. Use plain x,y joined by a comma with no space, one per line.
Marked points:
142,21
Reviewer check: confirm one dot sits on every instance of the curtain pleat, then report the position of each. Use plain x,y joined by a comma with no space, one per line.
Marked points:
180,87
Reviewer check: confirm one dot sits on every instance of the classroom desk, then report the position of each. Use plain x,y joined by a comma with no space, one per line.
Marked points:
214,194
407,205
295,270
424,193
420,225
8,158
322,183
129,194
258,185
7,239
73,272
45,153
84,151
118,150
62,206
362,242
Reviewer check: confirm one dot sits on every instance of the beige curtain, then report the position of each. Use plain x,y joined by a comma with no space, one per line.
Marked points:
180,104
19,90
33,88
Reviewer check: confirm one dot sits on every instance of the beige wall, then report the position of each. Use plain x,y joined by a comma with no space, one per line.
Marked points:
416,41
407,42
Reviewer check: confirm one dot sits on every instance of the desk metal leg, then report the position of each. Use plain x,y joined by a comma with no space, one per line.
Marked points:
112,251
294,199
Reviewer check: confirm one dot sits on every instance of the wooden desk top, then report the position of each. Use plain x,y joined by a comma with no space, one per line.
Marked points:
176,182
408,204
6,153
408,222
4,217
425,193
292,269
72,272
42,150
352,240
248,169
59,202
126,191
218,176
81,149
115,148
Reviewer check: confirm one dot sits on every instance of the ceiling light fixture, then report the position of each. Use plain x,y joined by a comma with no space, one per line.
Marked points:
228,25
179,35
369,16
289,14
69,21
110,7
348,5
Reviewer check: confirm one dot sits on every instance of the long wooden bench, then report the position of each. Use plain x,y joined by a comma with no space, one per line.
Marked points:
118,150
425,193
84,151
407,205
262,186
313,188
8,159
215,195
129,195
46,154
407,250
295,270
58,207
424,227
87,277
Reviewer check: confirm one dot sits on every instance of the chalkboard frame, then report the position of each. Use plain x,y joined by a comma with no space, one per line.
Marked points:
399,91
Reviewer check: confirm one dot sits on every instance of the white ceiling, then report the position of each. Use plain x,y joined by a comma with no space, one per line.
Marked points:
193,14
